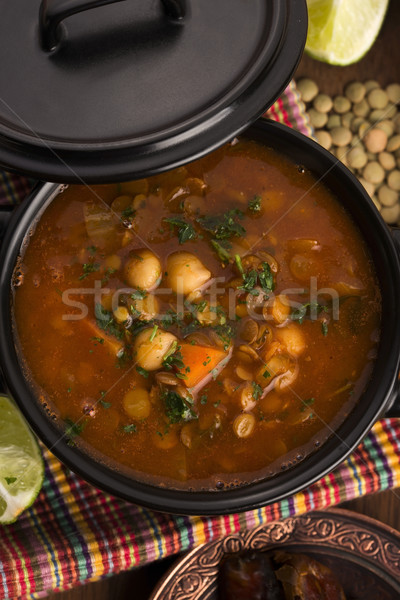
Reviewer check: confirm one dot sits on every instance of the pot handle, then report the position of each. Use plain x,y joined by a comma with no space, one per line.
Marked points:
53,12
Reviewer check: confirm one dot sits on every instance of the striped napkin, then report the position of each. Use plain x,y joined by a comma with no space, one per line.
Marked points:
74,533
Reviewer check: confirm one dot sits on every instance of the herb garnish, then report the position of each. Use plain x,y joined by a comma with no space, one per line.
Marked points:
324,328
307,403
257,390
105,404
223,226
177,408
173,357
10,480
222,250
255,204
132,428
143,372
73,429
186,230
89,268
153,333
253,278
105,321
312,308
225,332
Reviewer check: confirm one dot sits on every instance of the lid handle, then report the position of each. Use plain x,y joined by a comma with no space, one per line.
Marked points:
52,12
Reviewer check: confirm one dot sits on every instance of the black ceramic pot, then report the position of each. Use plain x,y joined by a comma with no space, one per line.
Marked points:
376,400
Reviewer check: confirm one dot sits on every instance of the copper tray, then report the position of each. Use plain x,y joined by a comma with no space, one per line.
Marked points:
363,553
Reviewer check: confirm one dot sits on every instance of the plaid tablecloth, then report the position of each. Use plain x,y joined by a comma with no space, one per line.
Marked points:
74,533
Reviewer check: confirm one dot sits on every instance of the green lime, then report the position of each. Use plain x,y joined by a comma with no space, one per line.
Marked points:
340,32
21,463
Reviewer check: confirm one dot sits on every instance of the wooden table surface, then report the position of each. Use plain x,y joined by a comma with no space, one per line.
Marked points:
381,63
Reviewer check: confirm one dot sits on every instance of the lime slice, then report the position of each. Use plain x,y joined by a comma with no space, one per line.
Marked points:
21,463
340,32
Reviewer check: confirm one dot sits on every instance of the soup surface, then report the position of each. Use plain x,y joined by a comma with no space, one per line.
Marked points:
202,327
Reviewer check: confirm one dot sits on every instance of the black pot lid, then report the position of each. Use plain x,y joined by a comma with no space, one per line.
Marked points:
130,88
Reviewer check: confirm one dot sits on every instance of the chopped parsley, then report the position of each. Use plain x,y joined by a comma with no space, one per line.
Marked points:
255,204
10,480
97,340
138,294
132,428
266,374
173,357
153,333
222,250
310,309
203,399
89,268
186,231
128,213
306,404
324,328
255,278
108,272
177,408
225,226
225,332
106,322
73,429
105,404
257,390
142,371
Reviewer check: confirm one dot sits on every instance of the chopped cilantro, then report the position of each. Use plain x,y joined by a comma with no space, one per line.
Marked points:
254,278
108,272
306,404
223,226
153,333
73,429
105,321
138,294
255,204
142,371
177,408
128,212
173,358
105,404
89,268
266,374
257,390
97,340
312,308
225,332
222,250
186,230
203,399
132,428
10,480
324,328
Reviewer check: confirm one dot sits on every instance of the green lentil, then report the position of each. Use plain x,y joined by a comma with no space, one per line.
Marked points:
324,138
356,123
390,111
387,160
377,98
357,158
373,172
378,114
371,84
341,104
375,140
387,126
307,88
341,136
393,144
333,121
393,92
355,91
323,103
361,109
393,180
347,119
390,214
387,196
318,119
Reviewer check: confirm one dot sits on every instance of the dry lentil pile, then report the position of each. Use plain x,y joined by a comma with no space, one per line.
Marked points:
362,129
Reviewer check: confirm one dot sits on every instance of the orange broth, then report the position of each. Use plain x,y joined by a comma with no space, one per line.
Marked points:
200,388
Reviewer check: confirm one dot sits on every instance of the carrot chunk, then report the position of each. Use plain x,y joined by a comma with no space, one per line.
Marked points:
198,362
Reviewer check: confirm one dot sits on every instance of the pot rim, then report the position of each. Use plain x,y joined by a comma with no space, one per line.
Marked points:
332,452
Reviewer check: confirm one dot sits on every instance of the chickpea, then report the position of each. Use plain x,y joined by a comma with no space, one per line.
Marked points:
151,347
136,403
143,270
278,309
244,424
186,272
292,338
148,307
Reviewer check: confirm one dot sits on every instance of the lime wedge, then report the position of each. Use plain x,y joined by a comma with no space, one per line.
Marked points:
340,32
21,463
